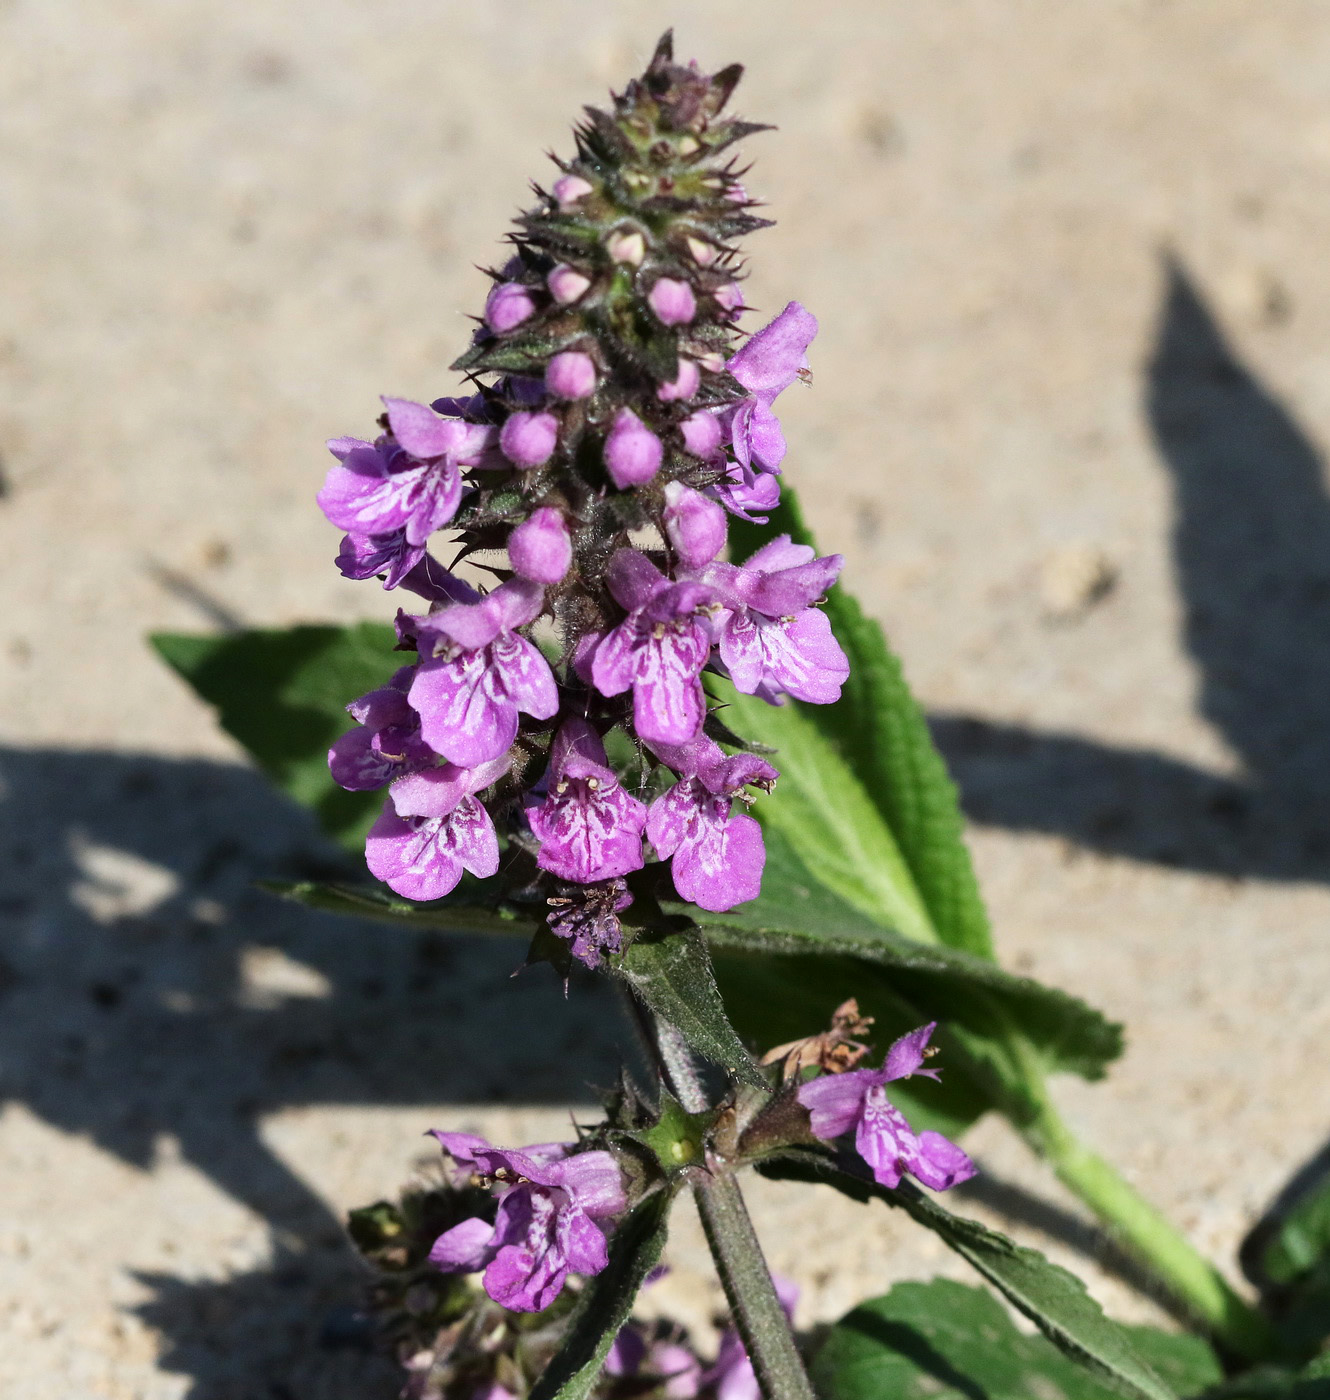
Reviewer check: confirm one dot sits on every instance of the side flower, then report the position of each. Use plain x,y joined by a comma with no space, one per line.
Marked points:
552,1201
858,1100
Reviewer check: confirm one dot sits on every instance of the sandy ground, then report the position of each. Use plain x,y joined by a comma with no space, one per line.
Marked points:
1072,391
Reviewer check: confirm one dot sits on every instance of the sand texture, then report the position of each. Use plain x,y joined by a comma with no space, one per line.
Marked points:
1071,401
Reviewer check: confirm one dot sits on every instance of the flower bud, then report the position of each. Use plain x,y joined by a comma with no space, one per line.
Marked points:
673,301
683,386
704,254
730,298
694,525
628,248
632,451
701,433
571,375
570,189
529,439
508,305
566,284
712,361
540,547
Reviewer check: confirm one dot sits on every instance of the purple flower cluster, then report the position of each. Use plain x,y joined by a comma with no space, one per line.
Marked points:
551,1200
602,477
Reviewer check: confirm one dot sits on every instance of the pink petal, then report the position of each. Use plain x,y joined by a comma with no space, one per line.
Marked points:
835,1101
420,430
464,1248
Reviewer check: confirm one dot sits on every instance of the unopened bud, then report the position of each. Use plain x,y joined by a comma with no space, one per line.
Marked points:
566,284
704,254
571,375
730,298
683,386
673,301
508,305
694,525
632,451
628,248
701,433
540,547
529,439
570,189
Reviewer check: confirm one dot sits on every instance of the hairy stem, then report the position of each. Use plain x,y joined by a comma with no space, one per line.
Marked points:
743,1271
1183,1270
749,1290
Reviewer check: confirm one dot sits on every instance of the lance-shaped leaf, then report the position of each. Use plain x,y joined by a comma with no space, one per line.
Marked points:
283,695
472,910
951,1341
879,731
1054,1300
671,972
813,950
606,1303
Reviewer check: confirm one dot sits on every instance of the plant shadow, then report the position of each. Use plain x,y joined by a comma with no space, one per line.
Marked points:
149,992
1251,548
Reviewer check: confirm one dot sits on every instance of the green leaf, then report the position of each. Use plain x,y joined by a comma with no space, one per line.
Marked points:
1302,1238
879,731
671,972
816,951
949,1341
1278,1383
1054,1300
943,984
467,912
606,1303
283,696
826,814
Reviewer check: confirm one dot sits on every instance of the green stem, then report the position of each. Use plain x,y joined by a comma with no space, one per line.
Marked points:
748,1287
1187,1274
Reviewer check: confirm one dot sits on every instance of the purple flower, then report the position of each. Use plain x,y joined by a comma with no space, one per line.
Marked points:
684,384
410,480
694,525
540,548
476,673
432,829
388,743
660,1365
731,1375
368,556
703,434
730,299
567,284
529,439
771,639
769,363
659,649
717,856
571,375
742,490
672,301
632,451
508,305
858,1099
588,827
568,189
588,916
546,1226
